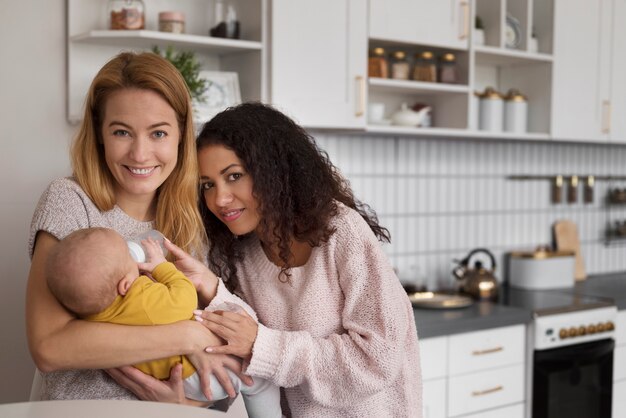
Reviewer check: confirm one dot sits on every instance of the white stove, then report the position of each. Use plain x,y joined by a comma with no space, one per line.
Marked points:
569,350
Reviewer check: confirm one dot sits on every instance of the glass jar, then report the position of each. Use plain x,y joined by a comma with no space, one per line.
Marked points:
448,69
173,22
399,66
126,14
425,67
377,65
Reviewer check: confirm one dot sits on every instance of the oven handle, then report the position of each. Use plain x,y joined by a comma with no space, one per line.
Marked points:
585,350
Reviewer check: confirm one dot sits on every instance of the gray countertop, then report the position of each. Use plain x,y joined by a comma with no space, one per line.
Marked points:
486,315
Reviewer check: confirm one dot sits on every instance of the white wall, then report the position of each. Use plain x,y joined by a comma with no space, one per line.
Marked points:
441,198
35,137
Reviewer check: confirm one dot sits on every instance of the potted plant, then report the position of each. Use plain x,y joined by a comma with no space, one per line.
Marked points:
189,67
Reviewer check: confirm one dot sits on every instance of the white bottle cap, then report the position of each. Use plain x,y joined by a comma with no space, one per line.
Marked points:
136,252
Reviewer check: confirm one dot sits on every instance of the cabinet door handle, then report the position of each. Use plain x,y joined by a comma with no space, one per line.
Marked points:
464,34
487,391
487,351
606,116
360,110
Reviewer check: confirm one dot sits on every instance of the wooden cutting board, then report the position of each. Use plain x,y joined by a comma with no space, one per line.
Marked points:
566,239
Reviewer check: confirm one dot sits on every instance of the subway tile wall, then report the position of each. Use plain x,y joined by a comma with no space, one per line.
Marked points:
441,198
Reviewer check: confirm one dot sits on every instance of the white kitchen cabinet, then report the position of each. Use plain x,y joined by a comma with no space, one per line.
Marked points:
576,105
590,59
90,44
318,61
439,23
617,123
480,373
619,367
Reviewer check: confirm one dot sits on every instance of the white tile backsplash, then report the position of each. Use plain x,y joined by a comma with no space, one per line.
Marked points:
441,198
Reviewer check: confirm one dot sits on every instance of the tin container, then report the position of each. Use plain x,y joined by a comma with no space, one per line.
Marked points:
515,112
541,269
490,113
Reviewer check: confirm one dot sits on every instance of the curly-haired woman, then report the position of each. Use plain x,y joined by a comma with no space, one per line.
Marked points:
286,233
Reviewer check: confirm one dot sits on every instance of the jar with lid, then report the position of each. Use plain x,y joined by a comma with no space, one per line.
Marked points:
173,22
399,66
515,111
490,115
425,68
448,69
377,65
126,14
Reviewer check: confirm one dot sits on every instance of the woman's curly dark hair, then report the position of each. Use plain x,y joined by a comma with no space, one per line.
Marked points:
295,184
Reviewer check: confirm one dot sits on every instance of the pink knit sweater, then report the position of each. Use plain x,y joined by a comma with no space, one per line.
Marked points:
341,337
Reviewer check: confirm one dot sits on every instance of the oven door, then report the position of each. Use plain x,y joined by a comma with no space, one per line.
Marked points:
573,381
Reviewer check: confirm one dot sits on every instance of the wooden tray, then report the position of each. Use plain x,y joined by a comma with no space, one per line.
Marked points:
437,300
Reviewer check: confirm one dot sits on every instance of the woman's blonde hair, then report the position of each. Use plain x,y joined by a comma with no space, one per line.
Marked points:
177,215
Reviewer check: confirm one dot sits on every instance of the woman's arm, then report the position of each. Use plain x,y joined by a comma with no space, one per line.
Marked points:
58,341
366,356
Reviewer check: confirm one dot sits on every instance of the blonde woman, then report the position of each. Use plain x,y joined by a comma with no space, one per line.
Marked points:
134,168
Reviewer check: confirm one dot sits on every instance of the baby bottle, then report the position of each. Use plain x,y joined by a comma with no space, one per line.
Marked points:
137,250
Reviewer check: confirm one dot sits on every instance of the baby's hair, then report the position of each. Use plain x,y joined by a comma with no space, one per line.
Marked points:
80,270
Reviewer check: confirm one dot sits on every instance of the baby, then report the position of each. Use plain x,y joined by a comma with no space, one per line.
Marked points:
92,273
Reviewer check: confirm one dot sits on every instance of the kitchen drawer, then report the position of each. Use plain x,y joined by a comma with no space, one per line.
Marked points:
620,328
434,398
619,363
514,411
474,392
434,354
483,350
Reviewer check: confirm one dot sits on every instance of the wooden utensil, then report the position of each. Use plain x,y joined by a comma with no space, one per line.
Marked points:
566,239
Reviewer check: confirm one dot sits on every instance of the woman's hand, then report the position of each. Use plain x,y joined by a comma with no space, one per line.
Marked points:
202,278
216,364
238,329
148,388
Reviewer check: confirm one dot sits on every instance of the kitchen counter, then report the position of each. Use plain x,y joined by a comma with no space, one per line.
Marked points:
479,316
486,315
611,286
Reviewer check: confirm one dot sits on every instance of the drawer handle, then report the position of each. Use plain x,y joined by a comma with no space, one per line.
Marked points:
463,35
606,117
360,111
487,351
487,391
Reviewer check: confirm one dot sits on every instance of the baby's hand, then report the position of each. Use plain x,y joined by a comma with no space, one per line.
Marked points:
154,255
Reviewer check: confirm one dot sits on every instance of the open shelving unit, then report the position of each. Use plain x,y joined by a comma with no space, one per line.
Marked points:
455,107
90,44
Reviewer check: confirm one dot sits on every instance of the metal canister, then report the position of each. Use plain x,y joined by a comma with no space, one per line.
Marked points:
515,112
490,115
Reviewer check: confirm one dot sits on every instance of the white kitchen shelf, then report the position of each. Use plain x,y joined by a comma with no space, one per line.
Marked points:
489,55
455,133
384,85
147,38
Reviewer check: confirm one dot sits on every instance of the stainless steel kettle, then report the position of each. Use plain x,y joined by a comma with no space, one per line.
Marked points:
478,282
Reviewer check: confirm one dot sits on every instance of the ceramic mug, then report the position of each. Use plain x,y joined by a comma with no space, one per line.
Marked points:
376,112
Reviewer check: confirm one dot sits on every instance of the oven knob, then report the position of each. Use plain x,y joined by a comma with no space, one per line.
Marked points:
573,331
600,327
562,333
591,329
610,326
582,330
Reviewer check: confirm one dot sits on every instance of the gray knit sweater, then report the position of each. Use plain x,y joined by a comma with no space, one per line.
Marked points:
63,208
